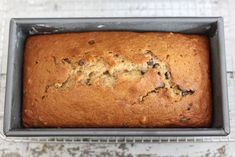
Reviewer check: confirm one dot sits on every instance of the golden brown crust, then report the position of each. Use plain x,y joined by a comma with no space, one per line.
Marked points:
116,79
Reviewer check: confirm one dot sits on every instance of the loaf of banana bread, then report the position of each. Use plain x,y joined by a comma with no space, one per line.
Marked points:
116,79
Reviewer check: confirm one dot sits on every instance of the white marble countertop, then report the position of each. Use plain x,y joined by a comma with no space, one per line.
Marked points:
119,8
120,150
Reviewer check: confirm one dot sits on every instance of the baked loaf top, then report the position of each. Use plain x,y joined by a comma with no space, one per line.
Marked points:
116,79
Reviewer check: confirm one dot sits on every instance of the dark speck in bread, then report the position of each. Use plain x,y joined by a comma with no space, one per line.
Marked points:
142,72
150,62
91,42
106,72
81,62
167,75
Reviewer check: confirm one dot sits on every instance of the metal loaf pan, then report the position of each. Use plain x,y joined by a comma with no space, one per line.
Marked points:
20,29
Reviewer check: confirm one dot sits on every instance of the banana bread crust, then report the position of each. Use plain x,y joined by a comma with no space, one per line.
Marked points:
116,79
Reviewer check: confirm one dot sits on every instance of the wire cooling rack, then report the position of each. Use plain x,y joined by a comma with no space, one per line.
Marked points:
117,8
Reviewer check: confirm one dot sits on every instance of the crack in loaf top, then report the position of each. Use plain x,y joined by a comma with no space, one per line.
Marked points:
116,79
